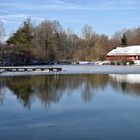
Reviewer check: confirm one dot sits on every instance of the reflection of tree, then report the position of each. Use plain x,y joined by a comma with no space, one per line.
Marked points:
91,83
2,85
49,89
123,86
87,92
1,97
22,88
126,87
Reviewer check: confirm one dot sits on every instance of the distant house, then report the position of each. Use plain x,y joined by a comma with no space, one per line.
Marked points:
120,54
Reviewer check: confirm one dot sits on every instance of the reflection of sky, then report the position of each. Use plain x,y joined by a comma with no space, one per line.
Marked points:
107,113
10,101
70,101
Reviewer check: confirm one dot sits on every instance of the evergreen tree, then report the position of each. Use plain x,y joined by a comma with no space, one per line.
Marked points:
23,36
124,40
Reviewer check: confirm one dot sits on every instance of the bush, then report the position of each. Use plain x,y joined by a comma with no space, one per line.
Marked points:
131,62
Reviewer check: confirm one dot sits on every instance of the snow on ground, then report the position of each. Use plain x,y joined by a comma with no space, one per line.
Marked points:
137,62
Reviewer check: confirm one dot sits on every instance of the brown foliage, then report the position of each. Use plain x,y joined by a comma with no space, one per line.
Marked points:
50,41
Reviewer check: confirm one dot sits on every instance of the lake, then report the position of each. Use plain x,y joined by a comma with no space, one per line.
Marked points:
70,107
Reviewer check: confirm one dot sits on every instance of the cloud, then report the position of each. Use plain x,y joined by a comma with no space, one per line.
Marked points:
93,11
50,5
18,18
13,16
59,5
118,5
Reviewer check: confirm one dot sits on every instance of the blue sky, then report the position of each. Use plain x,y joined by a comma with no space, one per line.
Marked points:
106,16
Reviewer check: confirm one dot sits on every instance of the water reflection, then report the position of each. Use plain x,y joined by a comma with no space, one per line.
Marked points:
1,96
127,78
128,83
49,89
2,91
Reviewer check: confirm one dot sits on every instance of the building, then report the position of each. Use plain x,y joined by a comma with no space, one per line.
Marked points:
121,54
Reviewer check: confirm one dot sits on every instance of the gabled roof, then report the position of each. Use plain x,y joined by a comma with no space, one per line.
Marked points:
130,50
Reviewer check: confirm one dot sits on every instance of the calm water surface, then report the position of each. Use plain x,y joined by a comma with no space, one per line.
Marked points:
70,107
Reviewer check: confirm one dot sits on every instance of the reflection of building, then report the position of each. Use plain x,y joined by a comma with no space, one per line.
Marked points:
128,78
119,54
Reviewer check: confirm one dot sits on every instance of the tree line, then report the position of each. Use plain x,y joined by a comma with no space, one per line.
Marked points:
50,89
50,41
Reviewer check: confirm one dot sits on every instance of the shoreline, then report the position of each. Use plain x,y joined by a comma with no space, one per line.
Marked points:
79,69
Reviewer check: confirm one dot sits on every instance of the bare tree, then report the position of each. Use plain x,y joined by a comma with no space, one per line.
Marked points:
89,37
2,32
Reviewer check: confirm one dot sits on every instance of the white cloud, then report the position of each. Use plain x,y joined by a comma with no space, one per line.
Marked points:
16,12
118,5
59,5
51,5
12,16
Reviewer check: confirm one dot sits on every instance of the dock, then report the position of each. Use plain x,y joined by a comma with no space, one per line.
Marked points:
29,69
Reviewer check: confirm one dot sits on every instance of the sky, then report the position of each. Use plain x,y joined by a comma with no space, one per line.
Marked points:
105,16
